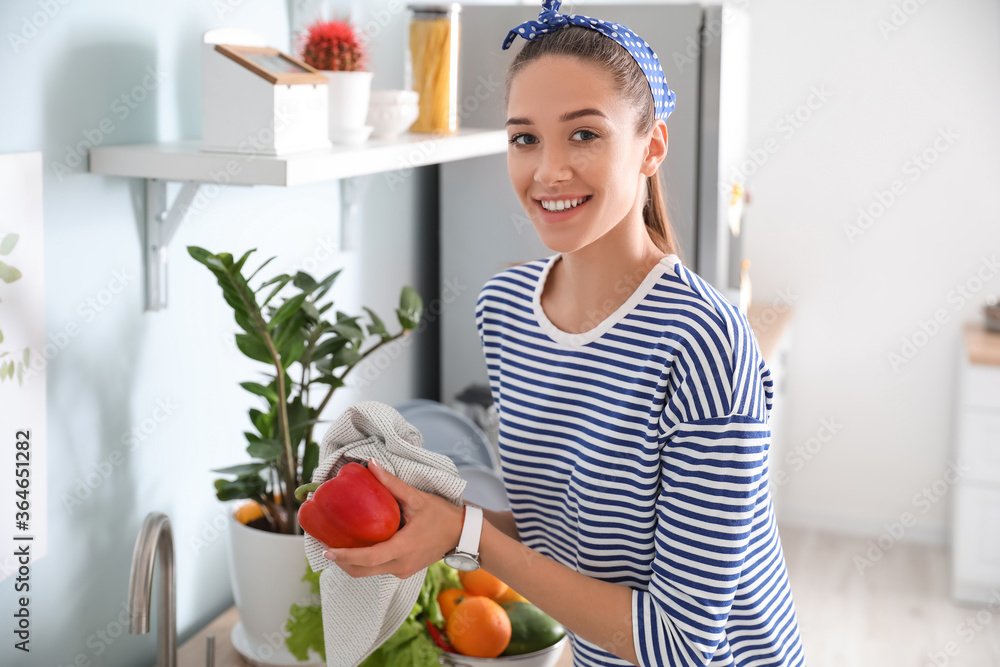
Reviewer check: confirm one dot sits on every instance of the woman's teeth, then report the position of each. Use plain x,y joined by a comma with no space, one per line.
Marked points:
562,204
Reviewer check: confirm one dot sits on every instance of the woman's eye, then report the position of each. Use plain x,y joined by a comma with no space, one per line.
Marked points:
516,139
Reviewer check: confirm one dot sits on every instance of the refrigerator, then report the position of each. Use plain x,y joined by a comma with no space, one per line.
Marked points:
704,50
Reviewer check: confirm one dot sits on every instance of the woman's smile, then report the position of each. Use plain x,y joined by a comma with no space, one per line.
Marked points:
561,209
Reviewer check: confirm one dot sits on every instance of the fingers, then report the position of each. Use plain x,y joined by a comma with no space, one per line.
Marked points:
407,551
369,561
397,546
398,568
372,556
399,489
397,556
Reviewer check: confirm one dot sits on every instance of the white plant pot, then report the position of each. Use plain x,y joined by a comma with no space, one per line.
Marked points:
266,570
350,93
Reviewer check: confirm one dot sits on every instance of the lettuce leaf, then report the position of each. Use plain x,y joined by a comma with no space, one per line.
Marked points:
306,631
305,623
439,577
409,646
312,578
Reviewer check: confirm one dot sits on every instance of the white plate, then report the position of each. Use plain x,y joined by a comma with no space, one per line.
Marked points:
278,656
449,432
485,488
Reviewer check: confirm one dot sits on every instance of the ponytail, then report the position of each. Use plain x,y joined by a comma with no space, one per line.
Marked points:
654,214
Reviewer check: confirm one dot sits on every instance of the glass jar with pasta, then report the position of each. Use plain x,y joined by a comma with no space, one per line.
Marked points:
432,65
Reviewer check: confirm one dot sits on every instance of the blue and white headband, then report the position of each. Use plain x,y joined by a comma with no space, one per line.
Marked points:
549,20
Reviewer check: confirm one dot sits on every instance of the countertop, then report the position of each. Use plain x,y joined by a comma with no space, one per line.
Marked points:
192,652
983,345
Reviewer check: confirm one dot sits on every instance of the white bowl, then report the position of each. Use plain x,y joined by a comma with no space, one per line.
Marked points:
392,112
546,657
393,97
353,135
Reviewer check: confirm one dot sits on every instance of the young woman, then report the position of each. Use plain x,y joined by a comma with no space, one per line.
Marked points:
633,398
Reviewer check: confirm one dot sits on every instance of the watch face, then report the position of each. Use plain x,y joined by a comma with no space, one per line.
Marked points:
461,562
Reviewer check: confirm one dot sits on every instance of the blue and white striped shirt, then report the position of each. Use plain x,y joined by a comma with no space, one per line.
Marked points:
636,453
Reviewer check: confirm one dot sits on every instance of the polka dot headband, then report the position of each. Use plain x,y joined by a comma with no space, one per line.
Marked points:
549,20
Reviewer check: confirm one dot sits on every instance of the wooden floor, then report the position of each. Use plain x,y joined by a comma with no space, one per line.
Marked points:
896,614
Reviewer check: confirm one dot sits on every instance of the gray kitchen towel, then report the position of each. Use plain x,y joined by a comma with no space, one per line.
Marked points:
359,614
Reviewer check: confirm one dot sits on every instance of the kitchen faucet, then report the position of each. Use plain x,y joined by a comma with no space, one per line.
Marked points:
155,537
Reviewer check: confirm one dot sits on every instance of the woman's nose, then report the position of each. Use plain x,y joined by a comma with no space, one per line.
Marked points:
553,167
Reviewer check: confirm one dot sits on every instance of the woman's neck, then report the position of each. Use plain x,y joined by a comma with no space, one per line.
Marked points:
587,285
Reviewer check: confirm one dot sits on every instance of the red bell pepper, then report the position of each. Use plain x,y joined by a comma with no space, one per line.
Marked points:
352,509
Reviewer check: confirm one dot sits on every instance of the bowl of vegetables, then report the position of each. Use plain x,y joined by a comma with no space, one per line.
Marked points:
471,619
546,657
488,623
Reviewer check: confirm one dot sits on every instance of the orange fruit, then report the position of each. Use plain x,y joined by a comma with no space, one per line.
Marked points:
481,582
510,595
479,627
251,510
448,598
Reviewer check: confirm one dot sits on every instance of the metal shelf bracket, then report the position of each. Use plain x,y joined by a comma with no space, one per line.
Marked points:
162,220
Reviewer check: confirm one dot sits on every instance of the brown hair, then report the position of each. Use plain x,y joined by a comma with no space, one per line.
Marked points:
592,46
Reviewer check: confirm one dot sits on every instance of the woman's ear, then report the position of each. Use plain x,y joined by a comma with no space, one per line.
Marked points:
656,150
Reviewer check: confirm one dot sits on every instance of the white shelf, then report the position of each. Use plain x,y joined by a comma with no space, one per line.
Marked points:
184,161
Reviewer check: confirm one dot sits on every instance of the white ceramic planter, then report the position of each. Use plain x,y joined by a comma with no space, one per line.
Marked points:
266,571
350,94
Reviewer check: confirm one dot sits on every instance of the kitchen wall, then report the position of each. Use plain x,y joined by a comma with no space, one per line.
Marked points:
158,392
872,155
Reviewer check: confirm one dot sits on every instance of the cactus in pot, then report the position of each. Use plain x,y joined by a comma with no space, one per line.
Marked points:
333,46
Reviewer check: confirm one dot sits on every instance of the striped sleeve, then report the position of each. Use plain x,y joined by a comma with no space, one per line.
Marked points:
713,448
491,363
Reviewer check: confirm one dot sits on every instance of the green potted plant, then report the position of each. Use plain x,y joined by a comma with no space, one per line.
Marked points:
334,48
284,324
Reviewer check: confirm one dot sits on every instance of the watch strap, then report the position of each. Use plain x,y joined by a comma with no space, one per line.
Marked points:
472,530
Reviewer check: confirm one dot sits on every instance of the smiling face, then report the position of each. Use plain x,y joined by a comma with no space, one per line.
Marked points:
574,141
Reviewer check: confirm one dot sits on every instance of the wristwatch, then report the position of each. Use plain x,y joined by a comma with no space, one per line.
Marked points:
465,556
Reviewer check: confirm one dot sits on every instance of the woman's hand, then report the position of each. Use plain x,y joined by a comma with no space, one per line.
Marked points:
432,528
